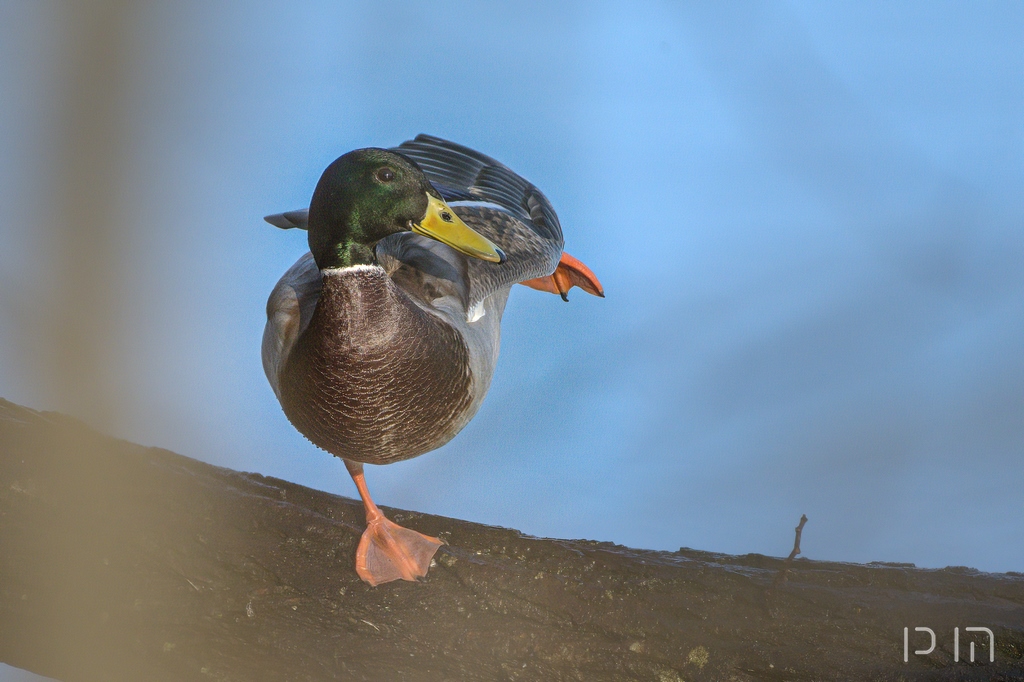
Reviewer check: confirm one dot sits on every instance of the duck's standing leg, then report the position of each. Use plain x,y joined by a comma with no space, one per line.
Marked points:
388,551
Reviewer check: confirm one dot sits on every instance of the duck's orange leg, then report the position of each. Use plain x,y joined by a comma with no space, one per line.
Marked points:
569,273
388,551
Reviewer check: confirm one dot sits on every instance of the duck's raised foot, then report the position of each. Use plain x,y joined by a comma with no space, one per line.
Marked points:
569,273
389,552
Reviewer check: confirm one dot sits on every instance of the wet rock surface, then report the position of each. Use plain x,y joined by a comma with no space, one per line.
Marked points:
120,562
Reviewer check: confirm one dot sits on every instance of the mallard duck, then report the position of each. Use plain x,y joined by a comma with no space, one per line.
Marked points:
381,341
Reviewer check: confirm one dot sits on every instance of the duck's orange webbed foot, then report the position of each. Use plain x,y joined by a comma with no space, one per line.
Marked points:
389,552
569,273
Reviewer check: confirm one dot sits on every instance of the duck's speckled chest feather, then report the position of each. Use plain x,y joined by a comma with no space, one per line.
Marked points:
374,378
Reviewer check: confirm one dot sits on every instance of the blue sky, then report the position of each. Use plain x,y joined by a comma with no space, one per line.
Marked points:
807,217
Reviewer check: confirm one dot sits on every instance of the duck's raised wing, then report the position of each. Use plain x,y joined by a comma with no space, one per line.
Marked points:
497,203
463,174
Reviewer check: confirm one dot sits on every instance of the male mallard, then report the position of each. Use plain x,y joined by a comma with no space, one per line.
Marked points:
380,344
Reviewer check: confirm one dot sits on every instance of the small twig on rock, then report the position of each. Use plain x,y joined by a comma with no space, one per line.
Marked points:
781,576
796,542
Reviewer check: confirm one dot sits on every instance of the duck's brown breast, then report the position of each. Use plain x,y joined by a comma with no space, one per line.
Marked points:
374,378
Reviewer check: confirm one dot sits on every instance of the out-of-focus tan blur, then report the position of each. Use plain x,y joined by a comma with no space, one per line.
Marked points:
75,316
72,314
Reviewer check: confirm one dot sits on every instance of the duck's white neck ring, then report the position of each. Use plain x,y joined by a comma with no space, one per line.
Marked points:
358,267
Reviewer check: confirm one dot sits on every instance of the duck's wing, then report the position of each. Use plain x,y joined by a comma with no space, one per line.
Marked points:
289,310
497,203
463,174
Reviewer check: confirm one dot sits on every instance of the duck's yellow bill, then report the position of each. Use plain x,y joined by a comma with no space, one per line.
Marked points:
441,223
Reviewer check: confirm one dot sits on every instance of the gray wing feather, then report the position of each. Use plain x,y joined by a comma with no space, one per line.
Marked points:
452,166
497,203
289,309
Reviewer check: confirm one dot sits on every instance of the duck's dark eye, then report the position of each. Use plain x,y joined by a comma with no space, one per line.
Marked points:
446,216
385,175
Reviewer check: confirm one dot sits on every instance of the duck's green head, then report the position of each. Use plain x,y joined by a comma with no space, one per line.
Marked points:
369,194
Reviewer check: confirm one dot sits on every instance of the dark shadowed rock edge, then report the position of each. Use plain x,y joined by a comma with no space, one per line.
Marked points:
121,562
